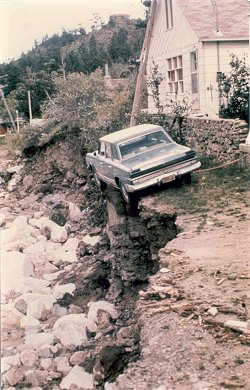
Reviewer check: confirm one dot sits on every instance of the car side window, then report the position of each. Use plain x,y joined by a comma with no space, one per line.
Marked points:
108,150
102,149
114,152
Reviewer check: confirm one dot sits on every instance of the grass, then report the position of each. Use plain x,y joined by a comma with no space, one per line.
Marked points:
215,189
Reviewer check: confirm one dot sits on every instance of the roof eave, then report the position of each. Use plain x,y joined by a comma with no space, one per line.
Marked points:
215,39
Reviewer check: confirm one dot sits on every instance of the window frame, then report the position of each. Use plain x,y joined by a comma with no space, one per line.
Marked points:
175,74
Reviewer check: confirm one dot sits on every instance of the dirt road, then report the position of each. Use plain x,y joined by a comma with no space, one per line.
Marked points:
204,282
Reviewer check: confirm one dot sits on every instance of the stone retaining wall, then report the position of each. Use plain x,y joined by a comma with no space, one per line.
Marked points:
217,139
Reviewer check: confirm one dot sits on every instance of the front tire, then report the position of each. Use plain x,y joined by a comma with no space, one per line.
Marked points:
100,184
125,194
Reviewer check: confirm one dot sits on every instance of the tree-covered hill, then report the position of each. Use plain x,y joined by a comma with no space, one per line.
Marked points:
117,43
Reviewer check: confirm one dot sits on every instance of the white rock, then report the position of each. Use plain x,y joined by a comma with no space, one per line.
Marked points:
41,223
15,169
78,377
68,257
29,323
58,234
58,310
77,358
75,213
63,365
52,276
39,340
70,245
46,363
101,305
29,357
71,330
37,304
14,267
9,361
16,235
91,240
38,214
38,247
13,376
60,290
10,317
36,309
213,311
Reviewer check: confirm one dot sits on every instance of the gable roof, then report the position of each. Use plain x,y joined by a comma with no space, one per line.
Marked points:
232,18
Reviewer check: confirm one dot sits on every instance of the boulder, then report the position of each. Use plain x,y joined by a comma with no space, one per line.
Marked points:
59,213
8,362
78,378
63,365
70,245
28,182
14,267
29,358
37,304
39,340
29,323
71,330
60,290
58,234
10,317
75,213
14,376
2,219
78,358
15,169
36,377
95,307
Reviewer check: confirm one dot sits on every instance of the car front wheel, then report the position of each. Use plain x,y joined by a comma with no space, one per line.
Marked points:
100,184
125,193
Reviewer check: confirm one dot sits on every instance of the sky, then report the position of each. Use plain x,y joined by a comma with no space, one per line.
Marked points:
24,21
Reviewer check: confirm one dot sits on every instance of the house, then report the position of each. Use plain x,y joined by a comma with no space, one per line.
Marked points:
191,43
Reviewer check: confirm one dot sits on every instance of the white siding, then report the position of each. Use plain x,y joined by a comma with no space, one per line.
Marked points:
215,57
182,40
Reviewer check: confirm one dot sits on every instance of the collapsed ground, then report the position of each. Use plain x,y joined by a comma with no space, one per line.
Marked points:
173,333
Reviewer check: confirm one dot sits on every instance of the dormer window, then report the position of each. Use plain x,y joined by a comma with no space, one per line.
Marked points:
169,14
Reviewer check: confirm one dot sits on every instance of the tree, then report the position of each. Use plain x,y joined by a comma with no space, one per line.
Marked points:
84,102
119,48
234,90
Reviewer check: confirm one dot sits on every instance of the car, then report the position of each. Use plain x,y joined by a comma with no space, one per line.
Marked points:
139,157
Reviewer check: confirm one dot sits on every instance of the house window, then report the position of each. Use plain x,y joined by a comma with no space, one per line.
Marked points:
175,75
194,72
169,14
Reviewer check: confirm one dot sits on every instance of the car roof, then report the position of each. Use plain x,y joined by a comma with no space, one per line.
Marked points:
123,135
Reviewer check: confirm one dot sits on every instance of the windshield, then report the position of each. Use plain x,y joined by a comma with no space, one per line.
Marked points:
143,143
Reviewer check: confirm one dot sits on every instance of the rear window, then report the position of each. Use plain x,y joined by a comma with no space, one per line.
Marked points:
143,143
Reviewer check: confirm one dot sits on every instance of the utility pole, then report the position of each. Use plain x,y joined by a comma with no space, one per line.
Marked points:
30,111
6,105
17,122
143,64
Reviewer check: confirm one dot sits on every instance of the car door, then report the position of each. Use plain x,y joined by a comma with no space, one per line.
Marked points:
108,163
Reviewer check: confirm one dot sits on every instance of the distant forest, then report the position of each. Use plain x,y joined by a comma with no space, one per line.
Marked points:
117,43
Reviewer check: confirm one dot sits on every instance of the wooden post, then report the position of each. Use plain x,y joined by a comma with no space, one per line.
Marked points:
29,102
7,107
17,122
143,64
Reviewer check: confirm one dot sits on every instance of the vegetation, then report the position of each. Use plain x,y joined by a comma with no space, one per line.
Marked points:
209,190
117,43
234,90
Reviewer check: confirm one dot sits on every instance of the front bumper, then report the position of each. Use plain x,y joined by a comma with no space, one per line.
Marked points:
144,182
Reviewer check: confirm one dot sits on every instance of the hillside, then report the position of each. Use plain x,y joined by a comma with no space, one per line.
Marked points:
117,43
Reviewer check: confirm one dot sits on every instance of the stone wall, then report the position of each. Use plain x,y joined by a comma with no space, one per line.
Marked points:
217,139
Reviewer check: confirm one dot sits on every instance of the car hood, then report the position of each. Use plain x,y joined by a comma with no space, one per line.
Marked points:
164,154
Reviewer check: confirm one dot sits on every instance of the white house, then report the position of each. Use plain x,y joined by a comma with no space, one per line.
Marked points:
191,42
